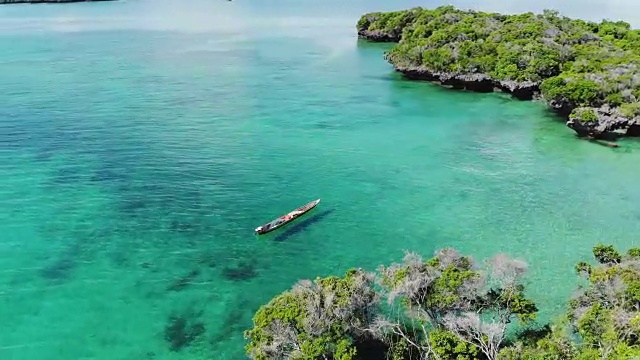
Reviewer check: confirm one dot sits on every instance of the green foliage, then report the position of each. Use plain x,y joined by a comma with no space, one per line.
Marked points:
444,292
452,309
391,24
461,308
314,320
614,99
606,314
576,62
344,351
584,114
448,346
554,346
288,308
583,268
578,92
630,109
552,342
545,349
524,309
632,292
594,324
399,349
606,254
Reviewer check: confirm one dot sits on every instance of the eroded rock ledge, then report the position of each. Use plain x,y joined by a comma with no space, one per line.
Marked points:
604,122
525,90
378,36
608,122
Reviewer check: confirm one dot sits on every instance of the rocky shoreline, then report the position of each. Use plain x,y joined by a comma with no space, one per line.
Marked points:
609,124
7,2
601,123
526,90
378,36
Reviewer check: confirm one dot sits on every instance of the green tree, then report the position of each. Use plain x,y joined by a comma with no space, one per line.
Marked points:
606,313
315,320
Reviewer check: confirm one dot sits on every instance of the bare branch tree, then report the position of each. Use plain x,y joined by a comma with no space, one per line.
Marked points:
448,256
410,280
487,336
506,272
416,335
284,343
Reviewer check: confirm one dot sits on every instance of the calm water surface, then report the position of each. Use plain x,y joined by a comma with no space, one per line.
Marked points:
141,142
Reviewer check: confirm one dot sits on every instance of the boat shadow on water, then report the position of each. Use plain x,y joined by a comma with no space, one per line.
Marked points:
302,225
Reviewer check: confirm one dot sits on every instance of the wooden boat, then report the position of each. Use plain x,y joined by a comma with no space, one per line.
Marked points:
284,219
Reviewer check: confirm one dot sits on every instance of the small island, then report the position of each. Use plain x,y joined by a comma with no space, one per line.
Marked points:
588,72
2,2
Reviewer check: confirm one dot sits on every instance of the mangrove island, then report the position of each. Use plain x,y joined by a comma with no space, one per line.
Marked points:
588,72
450,307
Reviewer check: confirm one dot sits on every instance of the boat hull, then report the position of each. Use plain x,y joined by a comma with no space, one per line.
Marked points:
287,218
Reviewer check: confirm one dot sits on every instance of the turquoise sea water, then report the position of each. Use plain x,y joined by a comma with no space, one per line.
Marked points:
141,142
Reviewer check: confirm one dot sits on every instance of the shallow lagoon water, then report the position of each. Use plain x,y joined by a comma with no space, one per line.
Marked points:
140,145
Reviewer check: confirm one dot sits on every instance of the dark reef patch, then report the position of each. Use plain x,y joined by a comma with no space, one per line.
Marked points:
58,270
131,204
184,281
119,257
242,271
181,226
67,175
107,176
68,260
235,322
207,259
181,330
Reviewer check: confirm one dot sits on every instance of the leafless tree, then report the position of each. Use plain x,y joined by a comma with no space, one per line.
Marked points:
413,327
413,280
487,336
325,307
477,309
284,344
486,326
622,322
505,271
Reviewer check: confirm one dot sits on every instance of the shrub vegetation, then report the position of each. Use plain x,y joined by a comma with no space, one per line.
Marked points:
576,63
450,307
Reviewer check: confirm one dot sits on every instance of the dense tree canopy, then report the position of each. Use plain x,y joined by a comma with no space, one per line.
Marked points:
450,307
578,65
315,320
